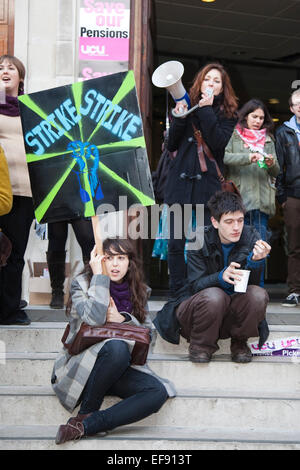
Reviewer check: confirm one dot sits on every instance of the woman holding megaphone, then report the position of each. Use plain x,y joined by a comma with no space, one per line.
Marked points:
198,138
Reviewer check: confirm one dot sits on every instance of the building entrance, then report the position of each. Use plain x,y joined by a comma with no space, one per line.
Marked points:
258,43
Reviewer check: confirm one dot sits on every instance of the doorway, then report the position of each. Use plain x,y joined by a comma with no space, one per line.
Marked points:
258,43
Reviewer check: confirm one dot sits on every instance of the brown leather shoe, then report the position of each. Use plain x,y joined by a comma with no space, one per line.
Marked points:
69,432
201,357
78,419
240,351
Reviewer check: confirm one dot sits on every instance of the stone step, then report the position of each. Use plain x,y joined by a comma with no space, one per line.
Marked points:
276,314
154,438
276,332
46,337
41,407
269,374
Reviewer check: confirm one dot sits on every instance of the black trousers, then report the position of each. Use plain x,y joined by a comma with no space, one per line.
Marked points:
291,214
176,257
83,229
16,225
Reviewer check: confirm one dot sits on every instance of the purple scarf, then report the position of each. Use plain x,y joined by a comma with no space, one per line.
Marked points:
11,107
121,295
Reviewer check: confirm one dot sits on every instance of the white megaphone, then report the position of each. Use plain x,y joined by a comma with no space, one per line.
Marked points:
168,75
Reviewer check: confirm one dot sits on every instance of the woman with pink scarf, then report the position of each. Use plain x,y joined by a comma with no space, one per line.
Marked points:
251,162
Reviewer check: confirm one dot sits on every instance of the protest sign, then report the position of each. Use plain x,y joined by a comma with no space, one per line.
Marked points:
104,34
85,147
285,347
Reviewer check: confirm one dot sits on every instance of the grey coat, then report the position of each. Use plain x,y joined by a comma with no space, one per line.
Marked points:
89,305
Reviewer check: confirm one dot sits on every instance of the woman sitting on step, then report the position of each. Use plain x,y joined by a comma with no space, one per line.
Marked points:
104,368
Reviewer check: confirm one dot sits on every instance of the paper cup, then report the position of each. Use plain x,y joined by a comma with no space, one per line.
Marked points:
241,286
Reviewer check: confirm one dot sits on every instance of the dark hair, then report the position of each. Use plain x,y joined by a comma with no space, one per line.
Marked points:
134,275
223,202
251,106
230,101
19,66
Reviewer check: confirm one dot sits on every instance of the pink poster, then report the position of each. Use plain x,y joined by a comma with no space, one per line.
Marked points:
104,29
103,49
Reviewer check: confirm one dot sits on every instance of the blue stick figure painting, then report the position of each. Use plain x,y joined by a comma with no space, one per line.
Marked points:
87,162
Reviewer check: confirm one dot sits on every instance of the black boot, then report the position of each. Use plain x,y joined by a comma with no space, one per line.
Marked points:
56,265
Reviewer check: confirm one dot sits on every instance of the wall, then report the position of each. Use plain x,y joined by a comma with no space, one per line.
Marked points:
45,41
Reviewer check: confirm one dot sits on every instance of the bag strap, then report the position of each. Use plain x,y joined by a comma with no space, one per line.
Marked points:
204,146
65,335
201,156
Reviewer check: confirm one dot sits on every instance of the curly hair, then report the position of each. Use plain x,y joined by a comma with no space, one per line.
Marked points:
230,100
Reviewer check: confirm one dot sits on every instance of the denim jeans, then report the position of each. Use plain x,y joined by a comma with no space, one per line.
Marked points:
142,393
259,220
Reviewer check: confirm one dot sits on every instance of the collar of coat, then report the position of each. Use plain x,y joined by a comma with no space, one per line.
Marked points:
212,239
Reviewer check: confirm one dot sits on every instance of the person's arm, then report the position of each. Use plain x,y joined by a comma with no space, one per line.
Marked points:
6,197
130,319
113,314
176,133
281,193
232,158
216,131
92,306
273,165
261,251
198,276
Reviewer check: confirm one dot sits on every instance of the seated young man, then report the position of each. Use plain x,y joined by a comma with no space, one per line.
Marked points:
215,311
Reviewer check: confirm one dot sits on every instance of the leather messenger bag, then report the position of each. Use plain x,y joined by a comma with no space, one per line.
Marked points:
89,335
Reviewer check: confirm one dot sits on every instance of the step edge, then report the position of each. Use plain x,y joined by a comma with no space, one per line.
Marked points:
156,357
168,433
61,326
44,391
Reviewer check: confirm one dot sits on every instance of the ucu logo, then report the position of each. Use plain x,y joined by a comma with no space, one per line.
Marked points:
93,50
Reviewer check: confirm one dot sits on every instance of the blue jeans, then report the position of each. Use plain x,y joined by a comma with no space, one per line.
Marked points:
142,393
259,220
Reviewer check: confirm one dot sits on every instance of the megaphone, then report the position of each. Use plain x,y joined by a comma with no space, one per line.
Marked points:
168,75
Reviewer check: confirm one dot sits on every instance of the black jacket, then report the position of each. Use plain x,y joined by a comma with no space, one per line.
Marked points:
204,266
288,154
186,184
